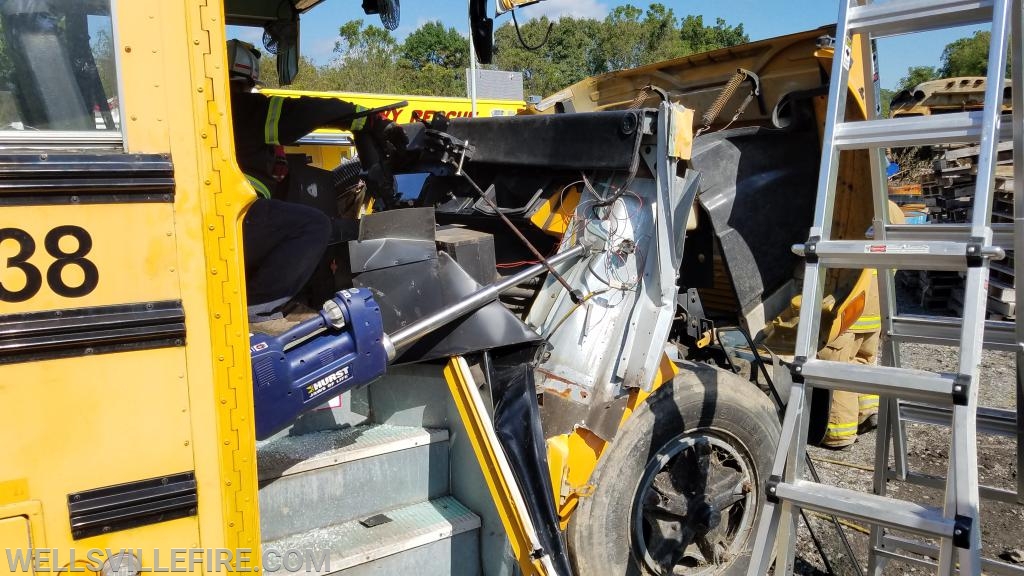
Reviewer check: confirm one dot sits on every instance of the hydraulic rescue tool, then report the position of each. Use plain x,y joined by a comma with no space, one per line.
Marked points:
345,347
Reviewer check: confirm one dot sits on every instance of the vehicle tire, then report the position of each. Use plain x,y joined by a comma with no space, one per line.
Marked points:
651,494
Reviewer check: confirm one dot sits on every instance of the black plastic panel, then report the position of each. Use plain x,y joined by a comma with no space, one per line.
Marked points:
133,504
585,141
758,187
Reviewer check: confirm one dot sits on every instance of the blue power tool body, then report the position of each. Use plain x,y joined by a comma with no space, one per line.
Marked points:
340,349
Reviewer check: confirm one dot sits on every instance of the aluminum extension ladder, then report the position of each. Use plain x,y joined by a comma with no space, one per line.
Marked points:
948,398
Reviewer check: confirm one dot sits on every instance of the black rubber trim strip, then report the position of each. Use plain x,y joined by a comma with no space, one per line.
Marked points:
35,336
35,179
133,504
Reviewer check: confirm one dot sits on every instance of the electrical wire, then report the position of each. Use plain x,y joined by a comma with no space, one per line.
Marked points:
574,308
523,42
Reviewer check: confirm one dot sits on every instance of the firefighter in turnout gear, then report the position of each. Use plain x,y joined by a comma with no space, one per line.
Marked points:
283,241
852,335
851,414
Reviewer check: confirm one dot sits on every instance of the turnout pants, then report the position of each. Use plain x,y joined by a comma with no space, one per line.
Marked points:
283,243
848,409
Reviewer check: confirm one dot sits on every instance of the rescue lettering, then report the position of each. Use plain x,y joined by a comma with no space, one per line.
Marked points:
429,114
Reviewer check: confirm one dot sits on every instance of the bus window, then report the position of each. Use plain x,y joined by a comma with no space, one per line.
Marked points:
58,78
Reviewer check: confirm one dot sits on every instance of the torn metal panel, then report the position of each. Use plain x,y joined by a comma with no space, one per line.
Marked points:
613,340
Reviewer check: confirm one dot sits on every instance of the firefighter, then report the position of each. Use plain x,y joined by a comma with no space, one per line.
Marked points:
284,242
851,414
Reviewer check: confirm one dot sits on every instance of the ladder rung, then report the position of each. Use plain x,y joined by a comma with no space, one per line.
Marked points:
1002,233
994,421
995,567
999,335
941,255
893,18
865,507
939,482
901,383
916,131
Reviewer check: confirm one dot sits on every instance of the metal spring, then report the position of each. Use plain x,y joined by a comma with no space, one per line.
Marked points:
716,108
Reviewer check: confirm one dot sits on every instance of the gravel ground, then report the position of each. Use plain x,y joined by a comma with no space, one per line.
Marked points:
1002,524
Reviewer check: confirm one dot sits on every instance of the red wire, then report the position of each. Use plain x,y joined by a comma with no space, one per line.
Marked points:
517,264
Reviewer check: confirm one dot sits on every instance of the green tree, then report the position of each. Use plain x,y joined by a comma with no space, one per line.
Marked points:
697,37
967,56
886,99
916,75
568,56
626,40
432,61
628,37
434,44
367,56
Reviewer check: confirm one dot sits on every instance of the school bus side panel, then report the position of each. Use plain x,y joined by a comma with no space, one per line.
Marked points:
100,418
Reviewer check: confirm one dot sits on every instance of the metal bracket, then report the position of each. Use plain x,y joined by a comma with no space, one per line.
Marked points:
962,526
796,369
698,326
811,249
771,488
975,252
961,387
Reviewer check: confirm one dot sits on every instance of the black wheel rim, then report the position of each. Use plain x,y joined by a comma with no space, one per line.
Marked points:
694,506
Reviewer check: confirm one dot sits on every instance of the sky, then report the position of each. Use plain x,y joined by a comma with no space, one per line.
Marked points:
760,19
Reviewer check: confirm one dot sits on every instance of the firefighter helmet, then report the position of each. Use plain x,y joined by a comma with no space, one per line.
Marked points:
243,61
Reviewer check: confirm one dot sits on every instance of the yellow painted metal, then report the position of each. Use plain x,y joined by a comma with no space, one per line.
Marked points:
573,457
16,537
681,144
477,424
82,423
695,81
554,215
136,259
326,156
218,352
95,421
13,491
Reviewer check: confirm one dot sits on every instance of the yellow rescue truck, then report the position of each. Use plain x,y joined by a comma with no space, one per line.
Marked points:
551,404
326,148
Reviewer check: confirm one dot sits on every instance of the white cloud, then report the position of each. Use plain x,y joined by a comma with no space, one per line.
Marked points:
555,9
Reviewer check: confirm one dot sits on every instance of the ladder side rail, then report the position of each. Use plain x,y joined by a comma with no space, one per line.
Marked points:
773,511
889,424
962,480
1017,35
777,527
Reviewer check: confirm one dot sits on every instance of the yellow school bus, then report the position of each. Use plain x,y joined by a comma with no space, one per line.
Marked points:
570,426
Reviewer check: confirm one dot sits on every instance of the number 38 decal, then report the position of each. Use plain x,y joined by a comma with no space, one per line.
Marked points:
33,277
